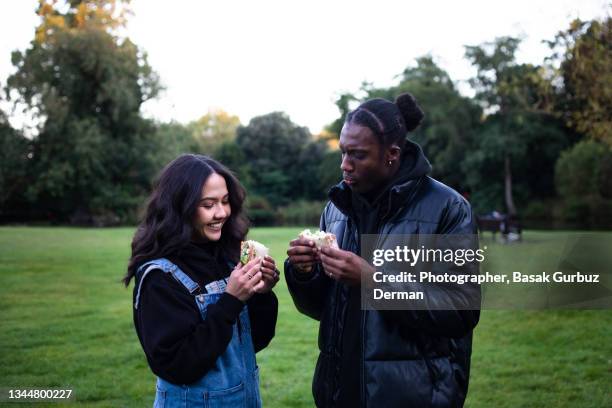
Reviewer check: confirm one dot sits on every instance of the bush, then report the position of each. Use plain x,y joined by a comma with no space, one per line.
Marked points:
593,210
538,210
575,209
301,213
582,177
605,176
581,170
259,211
329,173
601,211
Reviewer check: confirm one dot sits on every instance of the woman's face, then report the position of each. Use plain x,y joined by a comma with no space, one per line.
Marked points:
213,210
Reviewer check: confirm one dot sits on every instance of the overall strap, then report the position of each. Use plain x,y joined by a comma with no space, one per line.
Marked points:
167,267
219,286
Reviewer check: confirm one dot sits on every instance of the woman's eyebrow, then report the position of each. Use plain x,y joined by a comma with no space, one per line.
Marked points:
213,198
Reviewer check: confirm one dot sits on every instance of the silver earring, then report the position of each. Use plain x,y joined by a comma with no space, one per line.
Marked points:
390,163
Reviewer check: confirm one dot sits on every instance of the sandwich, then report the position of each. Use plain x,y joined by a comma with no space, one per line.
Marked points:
320,238
250,249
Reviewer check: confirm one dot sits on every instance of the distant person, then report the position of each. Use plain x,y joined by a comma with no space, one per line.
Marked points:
371,358
200,316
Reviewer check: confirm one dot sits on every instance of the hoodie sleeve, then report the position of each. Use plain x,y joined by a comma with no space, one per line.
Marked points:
310,291
263,311
179,345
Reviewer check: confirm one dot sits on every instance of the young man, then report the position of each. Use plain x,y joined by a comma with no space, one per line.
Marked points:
372,358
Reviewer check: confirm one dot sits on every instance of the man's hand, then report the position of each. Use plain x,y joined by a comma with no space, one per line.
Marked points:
303,254
269,275
344,266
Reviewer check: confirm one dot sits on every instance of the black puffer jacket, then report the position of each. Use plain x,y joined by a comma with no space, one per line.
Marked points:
410,358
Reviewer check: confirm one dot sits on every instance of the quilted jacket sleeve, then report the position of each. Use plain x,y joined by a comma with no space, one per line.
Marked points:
310,291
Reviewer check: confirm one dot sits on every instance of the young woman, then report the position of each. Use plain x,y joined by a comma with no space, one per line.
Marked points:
199,314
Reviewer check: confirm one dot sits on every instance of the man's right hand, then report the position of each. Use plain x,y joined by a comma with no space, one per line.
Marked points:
303,254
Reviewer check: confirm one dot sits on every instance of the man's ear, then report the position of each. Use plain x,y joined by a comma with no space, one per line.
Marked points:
393,153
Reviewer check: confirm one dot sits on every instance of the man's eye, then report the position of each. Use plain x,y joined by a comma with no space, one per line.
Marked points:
359,155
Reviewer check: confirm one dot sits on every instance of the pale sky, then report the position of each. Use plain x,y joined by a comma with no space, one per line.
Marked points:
253,57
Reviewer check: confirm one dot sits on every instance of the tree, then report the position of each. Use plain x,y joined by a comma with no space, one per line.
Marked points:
510,94
328,172
448,129
584,55
583,180
14,150
451,120
175,139
533,141
280,155
579,170
344,106
309,186
94,154
214,129
99,15
232,156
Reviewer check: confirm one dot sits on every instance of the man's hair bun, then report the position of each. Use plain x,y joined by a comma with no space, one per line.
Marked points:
411,112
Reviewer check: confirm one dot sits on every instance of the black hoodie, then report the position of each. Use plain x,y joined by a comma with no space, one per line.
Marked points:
179,345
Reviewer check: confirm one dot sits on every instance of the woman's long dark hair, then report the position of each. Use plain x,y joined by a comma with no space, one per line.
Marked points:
167,225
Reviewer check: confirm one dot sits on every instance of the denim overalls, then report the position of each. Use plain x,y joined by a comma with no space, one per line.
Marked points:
234,381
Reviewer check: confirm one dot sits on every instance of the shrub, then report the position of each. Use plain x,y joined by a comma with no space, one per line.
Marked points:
582,177
259,211
301,213
578,172
538,210
576,209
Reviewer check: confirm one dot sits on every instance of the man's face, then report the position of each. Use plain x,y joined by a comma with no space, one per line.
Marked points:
363,159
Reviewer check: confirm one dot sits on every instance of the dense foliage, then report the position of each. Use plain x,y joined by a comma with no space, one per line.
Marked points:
531,135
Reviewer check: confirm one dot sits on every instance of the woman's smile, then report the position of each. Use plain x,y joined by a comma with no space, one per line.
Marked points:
215,226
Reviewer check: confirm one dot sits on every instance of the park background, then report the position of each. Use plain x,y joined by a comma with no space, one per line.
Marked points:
531,141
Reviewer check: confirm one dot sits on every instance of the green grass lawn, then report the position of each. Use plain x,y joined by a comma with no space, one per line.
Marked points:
66,322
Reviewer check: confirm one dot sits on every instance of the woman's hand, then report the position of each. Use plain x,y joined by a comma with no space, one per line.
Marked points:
244,280
270,275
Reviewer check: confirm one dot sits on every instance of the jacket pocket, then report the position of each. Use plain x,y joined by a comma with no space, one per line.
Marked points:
230,397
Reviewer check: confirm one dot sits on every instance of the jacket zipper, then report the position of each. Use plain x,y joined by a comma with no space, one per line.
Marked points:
385,226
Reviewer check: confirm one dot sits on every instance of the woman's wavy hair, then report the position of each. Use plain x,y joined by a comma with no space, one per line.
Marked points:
167,225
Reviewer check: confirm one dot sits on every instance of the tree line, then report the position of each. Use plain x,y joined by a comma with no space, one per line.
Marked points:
533,141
